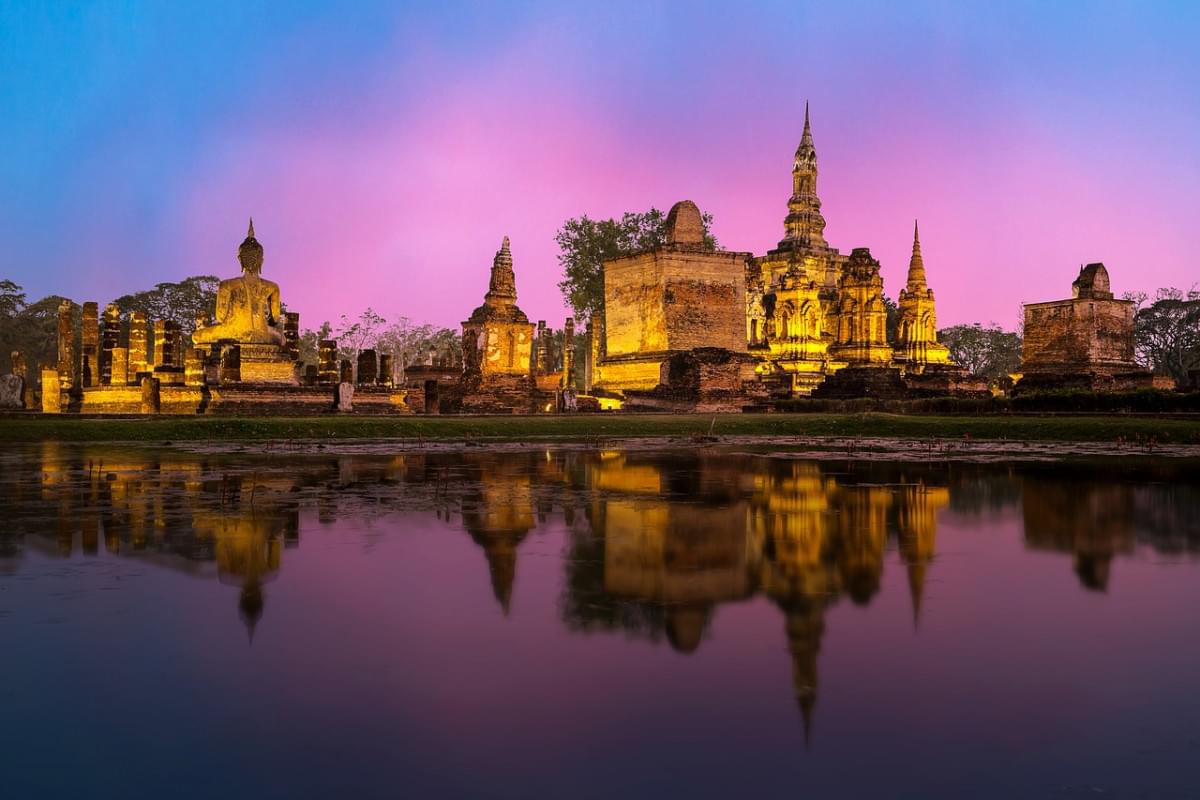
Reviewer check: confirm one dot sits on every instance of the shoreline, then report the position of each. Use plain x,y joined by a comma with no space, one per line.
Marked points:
1042,436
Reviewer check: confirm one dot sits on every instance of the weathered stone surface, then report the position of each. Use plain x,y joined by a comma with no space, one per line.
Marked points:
151,400
861,321
12,392
667,300
685,224
327,362
139,345
90,338
51,392
120,366
1083,342
368,366
917,346
345,396
66,345
498,337
291,335
386,369
110,337
193,367
231,362
702,380
19,367
346,371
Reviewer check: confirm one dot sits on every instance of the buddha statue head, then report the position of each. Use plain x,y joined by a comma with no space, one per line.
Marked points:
250,253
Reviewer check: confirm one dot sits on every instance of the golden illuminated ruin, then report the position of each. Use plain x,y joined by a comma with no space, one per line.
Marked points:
917,346
246,361
498,346
790,290
249,319
682,298
1082,342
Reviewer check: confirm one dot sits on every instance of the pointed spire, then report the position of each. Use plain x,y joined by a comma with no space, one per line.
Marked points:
916,265
250,232
806,139
503,285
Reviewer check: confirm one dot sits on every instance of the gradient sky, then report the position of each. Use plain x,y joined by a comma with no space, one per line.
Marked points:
384,151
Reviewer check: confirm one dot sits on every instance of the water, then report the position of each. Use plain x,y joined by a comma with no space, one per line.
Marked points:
588,623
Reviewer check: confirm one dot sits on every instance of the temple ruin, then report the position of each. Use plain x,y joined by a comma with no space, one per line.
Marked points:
1084,342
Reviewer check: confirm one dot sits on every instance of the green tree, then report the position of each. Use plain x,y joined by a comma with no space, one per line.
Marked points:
309,342
585,244
1166,333
180,302
987,352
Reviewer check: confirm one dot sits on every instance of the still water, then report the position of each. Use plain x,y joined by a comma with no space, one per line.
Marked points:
590,623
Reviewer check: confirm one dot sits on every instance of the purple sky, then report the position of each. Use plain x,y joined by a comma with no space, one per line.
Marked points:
384,152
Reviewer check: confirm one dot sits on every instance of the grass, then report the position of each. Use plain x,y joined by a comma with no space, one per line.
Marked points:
1108,428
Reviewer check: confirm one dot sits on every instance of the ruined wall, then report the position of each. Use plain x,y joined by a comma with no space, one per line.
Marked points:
1083,334
675,299
498,348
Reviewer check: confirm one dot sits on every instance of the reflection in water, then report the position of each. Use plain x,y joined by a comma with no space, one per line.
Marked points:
655,541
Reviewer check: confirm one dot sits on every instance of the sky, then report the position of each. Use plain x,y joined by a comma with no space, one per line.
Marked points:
384,150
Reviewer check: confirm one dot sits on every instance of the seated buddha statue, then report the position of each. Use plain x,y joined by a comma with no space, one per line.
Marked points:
248,310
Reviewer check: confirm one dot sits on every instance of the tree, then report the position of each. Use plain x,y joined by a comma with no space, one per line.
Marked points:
411,343
181,303
987,352
585,244
892,324
12,299
1166,333
359,335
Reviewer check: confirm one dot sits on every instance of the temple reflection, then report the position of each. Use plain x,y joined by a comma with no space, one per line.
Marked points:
654,542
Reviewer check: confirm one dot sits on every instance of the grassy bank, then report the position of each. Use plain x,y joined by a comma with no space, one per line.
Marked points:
584,427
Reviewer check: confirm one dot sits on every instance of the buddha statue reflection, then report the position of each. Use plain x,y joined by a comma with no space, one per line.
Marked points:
248,308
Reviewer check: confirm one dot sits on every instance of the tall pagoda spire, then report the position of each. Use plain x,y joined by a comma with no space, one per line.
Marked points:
916,265
804,223
503,285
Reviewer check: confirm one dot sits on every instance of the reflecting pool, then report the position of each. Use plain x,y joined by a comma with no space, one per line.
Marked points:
703,622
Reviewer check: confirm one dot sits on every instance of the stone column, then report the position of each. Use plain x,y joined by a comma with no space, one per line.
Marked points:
310,374
175,335
162,357
110,337
291,335
151,401
193,367
368,367
120,366
66,346
139,352
589,364
540,350
569,353
91,344
18,365
327,366
385,369
347,371
51,391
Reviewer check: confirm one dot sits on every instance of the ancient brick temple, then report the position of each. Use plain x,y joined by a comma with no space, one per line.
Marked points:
791,291
665,305
1082,342
498,347
917,346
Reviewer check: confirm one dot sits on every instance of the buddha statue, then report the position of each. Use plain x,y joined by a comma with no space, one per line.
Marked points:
248,310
